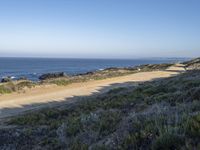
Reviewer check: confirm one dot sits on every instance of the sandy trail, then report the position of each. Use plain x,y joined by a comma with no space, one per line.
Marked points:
52,95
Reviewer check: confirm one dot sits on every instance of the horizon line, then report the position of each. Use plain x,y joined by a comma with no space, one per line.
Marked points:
43,57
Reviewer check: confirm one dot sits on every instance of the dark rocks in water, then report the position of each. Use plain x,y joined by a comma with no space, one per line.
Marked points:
52,75
6,79
87,73
112,69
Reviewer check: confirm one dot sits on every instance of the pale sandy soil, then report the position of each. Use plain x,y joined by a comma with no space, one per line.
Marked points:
52,95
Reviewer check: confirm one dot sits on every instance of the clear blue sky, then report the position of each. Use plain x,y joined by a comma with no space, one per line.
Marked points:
100,28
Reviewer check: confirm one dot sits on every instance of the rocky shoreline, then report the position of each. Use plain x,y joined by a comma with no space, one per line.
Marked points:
9,85
54,75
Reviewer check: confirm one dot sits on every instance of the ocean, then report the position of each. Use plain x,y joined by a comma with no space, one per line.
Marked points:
32,68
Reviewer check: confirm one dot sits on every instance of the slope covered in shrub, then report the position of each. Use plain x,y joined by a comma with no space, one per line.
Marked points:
162,114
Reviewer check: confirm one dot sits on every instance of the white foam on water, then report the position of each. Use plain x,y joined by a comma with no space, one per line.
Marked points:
12,77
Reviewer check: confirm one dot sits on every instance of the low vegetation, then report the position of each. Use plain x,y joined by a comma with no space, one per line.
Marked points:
162,114
9,87
192,64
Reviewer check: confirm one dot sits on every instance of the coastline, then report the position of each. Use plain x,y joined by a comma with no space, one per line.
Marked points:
61,79
107,112
46,95
32,68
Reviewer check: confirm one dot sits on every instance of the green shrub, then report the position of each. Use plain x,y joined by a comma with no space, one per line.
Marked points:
78,145
193,126
116,90
31,119
131,141
12,86
74,126
4,90
60,82
191,83
168,141
24,84
108,122
155,90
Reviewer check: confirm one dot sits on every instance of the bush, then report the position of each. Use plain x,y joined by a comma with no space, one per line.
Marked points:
24,84
4,89
73,126
193,126
12,86
60,82
168,141
108,122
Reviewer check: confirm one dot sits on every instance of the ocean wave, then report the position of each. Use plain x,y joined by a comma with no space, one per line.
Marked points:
11,77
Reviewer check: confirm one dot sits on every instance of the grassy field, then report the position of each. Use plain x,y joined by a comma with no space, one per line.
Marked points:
163,114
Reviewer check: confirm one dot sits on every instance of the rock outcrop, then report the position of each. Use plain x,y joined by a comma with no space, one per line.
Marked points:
6,79
52,75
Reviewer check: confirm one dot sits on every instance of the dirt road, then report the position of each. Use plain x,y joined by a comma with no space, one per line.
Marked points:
52,95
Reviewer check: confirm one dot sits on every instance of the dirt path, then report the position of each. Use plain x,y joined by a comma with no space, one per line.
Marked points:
45,96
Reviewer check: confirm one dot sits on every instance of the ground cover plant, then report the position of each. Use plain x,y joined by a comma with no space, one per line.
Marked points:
163,114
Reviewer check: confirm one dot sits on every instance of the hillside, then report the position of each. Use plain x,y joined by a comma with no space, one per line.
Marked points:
38,97
162,114
192,64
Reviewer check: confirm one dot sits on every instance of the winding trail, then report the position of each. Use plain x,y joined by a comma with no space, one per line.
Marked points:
52,95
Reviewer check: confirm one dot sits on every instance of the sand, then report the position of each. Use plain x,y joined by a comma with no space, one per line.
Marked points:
52,95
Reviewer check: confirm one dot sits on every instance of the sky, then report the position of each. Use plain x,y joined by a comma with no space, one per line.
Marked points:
99,28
